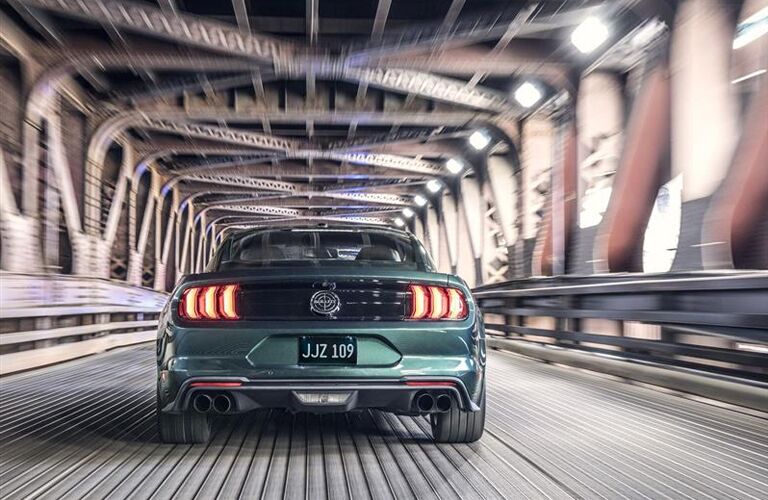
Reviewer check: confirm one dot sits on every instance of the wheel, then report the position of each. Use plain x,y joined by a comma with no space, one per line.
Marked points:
457,426
183,428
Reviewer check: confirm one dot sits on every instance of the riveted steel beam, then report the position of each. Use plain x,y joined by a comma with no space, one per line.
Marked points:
399,136
223,134
376,198
182,28
387,161
288,169
257,210
430,86
249,182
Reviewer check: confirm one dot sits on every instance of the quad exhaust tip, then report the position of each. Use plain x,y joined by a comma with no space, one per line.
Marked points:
222,403
425,402
443,403
202,403
428,403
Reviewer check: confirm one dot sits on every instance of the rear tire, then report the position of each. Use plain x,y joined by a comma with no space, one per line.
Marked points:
458,426
183,428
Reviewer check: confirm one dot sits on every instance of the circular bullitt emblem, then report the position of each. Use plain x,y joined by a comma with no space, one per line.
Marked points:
324,302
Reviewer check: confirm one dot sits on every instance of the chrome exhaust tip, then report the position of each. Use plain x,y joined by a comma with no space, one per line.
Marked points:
202,403
425,402
443,403
222,403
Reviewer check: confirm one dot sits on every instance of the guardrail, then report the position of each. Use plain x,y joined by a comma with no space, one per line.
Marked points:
705,323
46,319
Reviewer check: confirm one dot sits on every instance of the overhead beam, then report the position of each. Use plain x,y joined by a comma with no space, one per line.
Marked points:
241,15
382,13
430,86
320,170
462,31
181,28
222,134
313,26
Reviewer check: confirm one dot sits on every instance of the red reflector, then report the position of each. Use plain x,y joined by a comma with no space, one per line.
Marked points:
213,302
215,384
426,383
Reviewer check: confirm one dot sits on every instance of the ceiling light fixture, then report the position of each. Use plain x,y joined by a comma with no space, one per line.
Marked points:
527,94
420,200
434,186
454,166
399,222
589,35
479,139
408,212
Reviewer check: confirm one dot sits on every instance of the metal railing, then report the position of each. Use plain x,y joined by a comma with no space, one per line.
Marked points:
46,319
710,322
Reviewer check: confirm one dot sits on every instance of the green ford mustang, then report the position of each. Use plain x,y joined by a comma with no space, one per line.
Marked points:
321,319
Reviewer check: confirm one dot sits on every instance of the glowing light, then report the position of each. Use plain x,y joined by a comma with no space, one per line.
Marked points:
408,212
751,28
749,75
420,200
589,35
434,186
479,139
454,166
399,222
527,94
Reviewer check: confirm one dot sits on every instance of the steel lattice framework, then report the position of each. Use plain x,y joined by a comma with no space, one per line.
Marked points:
181,28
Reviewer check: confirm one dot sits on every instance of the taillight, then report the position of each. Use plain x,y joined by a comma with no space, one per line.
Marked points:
437,302
211,302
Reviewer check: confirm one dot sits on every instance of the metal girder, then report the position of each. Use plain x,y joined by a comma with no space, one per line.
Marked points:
398,136
540,61
241,15
461,31
376,198
379,160
430,86
223,134
290,148
257,210
297,203
382,12
287,169
127,119
319,218
465,30
249,182
185,29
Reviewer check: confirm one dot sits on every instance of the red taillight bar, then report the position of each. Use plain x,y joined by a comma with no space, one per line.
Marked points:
428,383
210,303
437,302
216,384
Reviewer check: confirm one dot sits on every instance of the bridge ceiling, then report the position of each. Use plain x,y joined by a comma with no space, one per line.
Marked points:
262,111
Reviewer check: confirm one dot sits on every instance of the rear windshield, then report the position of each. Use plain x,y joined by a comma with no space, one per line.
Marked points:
321,247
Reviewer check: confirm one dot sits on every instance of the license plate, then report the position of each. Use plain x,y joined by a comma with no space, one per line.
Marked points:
327,350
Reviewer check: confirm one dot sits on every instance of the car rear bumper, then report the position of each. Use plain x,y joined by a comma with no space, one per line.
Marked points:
397,396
